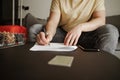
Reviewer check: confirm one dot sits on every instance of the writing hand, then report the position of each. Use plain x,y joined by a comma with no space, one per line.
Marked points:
43,39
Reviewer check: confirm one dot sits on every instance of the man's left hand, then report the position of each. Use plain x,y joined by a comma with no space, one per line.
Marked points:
72,36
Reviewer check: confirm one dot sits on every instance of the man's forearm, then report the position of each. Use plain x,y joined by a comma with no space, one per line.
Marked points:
51,28
92,25
98,19
52,23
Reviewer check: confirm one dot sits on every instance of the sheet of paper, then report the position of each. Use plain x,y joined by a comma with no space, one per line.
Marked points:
61,61
53,47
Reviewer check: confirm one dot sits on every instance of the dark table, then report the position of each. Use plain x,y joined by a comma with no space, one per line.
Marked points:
18,63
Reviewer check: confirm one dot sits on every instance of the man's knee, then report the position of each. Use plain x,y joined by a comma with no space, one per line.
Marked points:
113,30
33,31
109,30
108,35
35,28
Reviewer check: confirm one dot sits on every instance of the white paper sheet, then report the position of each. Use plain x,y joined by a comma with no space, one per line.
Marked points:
53,47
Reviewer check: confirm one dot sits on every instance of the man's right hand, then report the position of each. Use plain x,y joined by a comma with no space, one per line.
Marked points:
42,39
51,26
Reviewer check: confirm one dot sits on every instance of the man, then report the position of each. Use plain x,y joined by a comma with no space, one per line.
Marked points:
81,22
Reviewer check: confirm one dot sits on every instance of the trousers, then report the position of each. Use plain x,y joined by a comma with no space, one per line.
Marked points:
105,37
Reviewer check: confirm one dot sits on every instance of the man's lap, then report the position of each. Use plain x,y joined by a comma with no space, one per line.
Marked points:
108,33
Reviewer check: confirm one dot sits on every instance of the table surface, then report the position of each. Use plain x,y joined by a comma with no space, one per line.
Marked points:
18,63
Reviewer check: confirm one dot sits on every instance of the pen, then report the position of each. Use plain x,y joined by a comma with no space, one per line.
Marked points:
46,34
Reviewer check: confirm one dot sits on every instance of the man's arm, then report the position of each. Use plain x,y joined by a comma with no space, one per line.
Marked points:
52,23
50,29
98,19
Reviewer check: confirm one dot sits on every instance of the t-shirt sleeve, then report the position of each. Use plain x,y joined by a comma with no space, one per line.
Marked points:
55,6
100,5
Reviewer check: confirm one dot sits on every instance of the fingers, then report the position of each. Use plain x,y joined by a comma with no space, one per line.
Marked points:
71,39
67,39
76,40
41,39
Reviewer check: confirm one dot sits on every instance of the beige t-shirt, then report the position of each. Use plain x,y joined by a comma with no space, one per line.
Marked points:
74,12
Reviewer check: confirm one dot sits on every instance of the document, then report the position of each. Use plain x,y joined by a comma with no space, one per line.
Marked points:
53,47
59,60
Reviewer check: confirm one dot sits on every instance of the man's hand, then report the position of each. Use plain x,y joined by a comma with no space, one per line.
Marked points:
42,39
98,19
51,26
72,36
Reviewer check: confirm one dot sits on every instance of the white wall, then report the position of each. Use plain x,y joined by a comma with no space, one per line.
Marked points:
112,7
40,8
